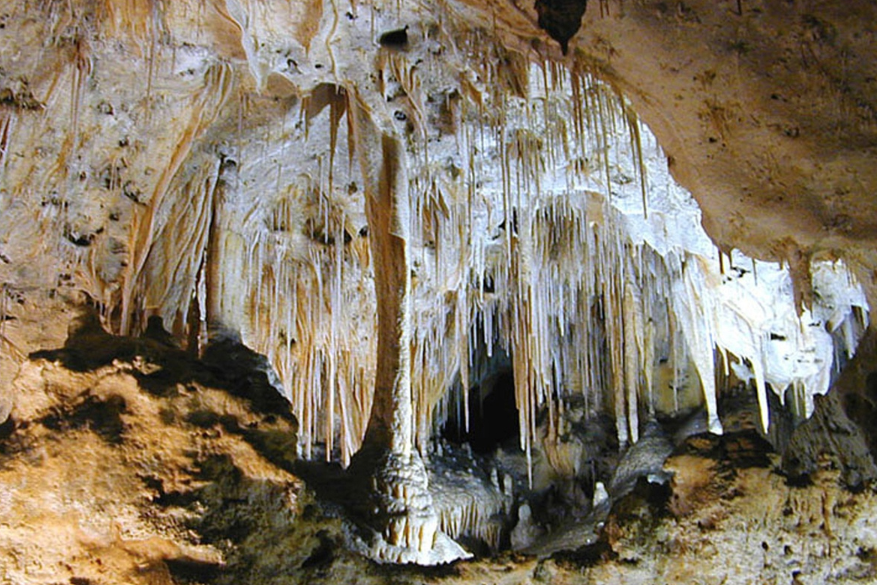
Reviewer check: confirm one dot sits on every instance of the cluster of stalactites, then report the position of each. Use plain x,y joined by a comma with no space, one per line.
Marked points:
542,261
306,316
468,506
579,308
582,306
508,250
542,268
517,242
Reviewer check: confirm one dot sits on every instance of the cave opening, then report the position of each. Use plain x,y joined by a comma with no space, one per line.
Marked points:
493,413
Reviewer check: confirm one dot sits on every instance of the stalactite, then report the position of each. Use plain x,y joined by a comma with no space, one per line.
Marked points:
468,508
7,125
205,109
172,277
129,18
633,126
322,357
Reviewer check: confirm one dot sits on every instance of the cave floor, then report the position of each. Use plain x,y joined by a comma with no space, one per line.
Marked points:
137,464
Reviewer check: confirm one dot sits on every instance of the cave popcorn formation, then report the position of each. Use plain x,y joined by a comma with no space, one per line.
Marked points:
532,213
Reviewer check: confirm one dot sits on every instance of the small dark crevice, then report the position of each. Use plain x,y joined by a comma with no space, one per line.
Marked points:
323,554
395,39
6,429
132,192
82,240
194,570
167,498
24,100
503,224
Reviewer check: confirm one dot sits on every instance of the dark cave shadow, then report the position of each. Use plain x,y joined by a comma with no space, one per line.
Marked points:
161,369
235,512
225,364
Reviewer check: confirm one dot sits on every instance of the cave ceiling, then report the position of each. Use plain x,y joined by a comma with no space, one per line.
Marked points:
765,110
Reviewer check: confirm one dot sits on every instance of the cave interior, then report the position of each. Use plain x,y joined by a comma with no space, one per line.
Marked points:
473,279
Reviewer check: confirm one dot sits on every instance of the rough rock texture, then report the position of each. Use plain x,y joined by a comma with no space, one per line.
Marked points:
830,434
126,461
728,517
857,386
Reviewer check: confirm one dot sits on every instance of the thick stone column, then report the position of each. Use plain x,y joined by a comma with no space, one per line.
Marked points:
226,259
399,504
390,423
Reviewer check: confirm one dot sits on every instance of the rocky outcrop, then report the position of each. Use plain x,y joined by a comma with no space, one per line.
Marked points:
129,461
